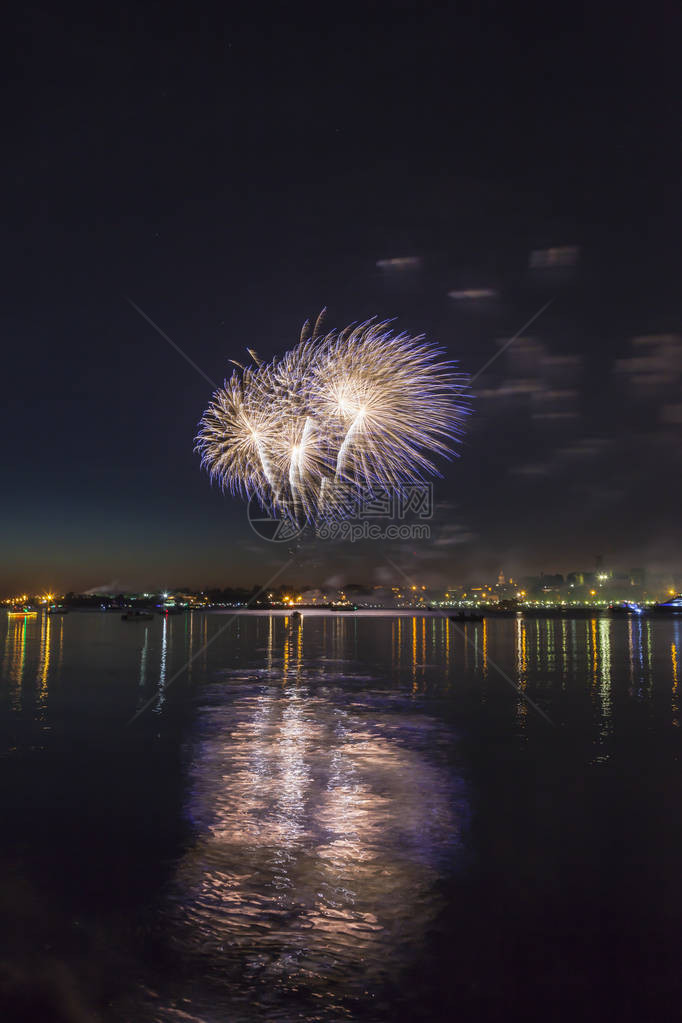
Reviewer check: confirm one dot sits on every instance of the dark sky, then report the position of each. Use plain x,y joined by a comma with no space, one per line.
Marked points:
233,170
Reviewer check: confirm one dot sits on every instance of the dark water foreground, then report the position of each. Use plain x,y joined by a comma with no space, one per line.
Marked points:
346,819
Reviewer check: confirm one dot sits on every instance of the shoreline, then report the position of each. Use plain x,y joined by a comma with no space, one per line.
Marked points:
310,612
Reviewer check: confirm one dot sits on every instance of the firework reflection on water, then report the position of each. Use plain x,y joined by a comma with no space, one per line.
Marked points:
322,820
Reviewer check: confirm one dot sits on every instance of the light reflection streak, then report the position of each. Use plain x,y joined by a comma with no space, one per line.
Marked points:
271,641
551,646
592,646
564,654
414,655
339,637
14,659
605,695
639,653
43,664
143,657
675,661
163,666
521,669
287,650
298,629
423,660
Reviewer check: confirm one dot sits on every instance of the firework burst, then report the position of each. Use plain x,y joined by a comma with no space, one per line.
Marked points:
341,414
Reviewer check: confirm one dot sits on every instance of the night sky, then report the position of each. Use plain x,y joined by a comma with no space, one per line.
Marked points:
232,172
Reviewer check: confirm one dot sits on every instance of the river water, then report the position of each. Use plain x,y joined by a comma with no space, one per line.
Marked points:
352,817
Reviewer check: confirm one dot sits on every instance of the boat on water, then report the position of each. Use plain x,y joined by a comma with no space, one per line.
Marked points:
17,611
625,607
466,618
57,610
672,606
137,616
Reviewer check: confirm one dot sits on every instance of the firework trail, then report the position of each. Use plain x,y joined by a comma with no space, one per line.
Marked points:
341,414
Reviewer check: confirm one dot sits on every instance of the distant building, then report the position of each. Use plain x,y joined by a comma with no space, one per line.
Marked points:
551,582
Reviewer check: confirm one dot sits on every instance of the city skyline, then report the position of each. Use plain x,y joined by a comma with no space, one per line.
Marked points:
600,582
319,571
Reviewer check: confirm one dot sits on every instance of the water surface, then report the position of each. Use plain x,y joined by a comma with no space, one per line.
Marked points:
355,817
